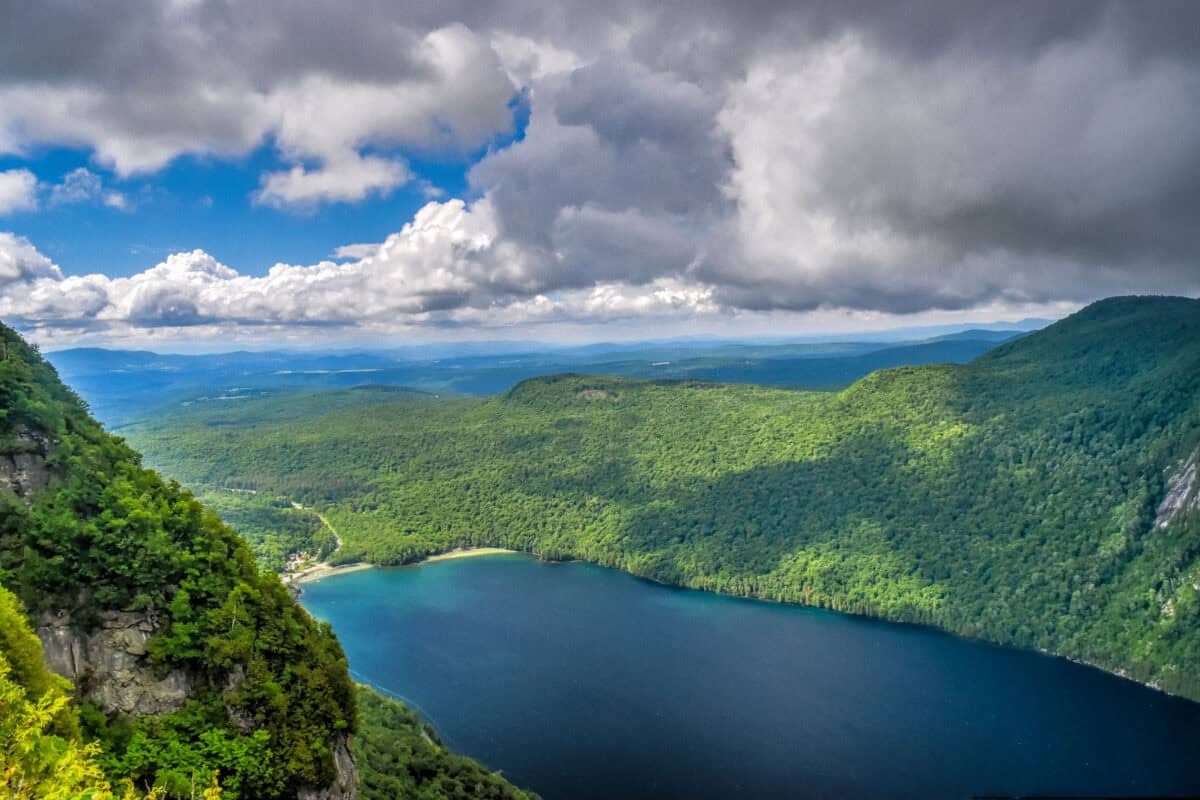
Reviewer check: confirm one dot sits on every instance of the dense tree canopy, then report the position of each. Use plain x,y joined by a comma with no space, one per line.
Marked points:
1012,498
399,756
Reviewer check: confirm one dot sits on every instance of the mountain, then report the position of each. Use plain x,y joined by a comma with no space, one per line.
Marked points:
1042,496
187,661
814,372
123,386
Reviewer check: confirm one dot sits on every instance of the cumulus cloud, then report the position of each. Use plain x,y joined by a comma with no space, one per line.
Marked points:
356,251
18,191
617,178
84,186
710,159
866,180
141,83
447,266
78,186
347,178
20,262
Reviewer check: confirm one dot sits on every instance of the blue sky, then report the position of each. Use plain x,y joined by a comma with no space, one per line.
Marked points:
193,174
206,203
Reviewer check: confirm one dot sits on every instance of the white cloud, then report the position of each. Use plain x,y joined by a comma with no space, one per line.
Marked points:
528,60
20,262
18,191
115,200
77,186
356,251
449,265
348,178
84,186
441,89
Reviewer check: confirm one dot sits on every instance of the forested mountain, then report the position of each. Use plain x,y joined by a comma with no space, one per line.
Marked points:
188,660
1041,496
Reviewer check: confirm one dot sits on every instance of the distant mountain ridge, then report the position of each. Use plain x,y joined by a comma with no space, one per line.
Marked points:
124,386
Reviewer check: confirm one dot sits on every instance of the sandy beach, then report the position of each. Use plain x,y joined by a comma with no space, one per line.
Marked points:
466,552
316,573
319,571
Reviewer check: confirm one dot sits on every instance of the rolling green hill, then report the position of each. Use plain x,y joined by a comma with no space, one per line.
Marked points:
1015,498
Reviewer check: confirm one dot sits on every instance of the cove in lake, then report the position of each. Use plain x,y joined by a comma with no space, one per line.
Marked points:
583,682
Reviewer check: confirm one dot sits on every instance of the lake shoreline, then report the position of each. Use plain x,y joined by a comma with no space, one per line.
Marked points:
586,630
463,552
324,571
319,571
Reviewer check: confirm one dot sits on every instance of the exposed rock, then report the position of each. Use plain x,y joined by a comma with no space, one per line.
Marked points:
241,718
108,663
1181,493
109,666
345,785
23,469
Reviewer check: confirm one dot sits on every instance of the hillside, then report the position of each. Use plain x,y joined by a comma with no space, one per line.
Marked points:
1022,498
187,660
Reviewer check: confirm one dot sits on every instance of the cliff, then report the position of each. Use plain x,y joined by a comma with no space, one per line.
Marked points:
190,659
108,662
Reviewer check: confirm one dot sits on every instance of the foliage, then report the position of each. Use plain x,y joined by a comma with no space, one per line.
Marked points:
109,535
399,756
272,526
22,652
1011,498
41,756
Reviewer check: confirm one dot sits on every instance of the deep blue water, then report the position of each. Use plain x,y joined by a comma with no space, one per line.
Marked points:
582,682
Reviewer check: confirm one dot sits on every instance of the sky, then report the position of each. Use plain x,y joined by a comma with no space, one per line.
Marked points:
211,174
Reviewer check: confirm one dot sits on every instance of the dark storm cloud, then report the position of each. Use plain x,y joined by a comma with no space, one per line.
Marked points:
617,179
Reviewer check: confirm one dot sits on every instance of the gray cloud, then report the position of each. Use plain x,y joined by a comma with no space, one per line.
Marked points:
618,177
755,155
20,262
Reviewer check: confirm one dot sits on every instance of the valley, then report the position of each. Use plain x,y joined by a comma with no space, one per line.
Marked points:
1012,499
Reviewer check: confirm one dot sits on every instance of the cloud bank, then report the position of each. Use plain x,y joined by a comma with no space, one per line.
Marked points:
718,158
447,267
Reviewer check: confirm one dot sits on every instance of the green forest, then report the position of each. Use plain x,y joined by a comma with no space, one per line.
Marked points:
98,534
400,756
1011,499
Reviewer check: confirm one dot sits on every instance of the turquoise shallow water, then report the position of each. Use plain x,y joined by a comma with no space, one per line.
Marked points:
582,682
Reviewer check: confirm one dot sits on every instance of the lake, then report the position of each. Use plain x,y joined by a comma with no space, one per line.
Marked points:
582,682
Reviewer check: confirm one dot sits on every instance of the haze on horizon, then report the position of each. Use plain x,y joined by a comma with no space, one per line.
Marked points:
228,175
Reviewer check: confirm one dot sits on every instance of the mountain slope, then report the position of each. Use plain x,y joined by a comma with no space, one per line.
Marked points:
187,660
1014,498
131,578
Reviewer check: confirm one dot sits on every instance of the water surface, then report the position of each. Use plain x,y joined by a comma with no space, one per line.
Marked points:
582,682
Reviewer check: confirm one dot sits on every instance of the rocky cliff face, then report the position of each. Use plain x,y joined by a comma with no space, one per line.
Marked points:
1182,494
345,786
23,468
109,666
108,663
